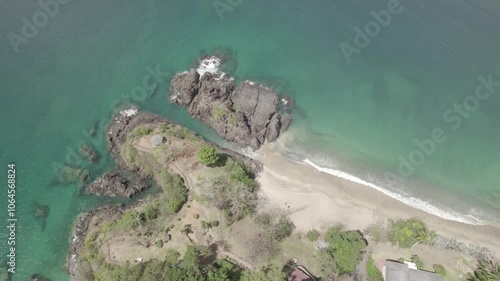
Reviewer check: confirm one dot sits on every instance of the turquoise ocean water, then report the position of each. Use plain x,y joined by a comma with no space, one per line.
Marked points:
358,117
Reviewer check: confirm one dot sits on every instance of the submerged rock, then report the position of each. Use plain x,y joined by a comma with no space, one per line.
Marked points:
38,277
40,213
67,174
88,151
247,115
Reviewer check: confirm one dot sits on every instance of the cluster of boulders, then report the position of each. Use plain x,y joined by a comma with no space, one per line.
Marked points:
248,114
481,253
113,183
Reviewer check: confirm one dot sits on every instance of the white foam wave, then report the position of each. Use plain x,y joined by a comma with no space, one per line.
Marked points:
210,64
414,202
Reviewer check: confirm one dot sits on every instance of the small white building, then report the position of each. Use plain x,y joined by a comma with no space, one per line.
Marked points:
407,271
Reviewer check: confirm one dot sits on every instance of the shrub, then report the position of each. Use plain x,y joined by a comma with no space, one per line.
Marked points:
128,220
238,174
139,132
312,235
377,232
439,269
277,225
151,212
487,270
417,261
204,225
406,233
208,155
346,247
176,193
214,224
196,216
159,243
373,272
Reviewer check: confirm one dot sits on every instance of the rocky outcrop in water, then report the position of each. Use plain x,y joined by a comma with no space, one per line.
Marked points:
248,115
113,183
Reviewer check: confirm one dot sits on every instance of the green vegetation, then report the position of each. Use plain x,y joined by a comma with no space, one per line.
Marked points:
196,216
439,269
406,233
128,221
218,112
268,273
326,265
214,224
312,235
378,232
176,193
374,273
345,247
233,192
139,132
417,261
151,211
238,174
208,155
198,264
274,227
159,243
486,271
232,120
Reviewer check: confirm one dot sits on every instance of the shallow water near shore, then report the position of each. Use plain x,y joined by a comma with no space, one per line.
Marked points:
357,117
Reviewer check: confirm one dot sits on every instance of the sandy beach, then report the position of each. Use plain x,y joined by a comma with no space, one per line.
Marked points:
318,200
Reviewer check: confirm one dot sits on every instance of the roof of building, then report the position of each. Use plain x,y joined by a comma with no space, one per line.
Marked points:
396,271
299,275
156,140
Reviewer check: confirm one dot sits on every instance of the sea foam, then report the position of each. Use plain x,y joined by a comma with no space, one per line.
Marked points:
210,64
414,202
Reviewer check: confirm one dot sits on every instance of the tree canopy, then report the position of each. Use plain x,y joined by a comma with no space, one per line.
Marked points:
405,233
208,155
346,247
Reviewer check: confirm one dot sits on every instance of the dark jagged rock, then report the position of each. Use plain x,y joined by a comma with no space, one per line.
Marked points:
273,129
248,115
187,84
113,183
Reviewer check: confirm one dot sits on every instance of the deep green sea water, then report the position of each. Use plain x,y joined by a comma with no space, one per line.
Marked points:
356,117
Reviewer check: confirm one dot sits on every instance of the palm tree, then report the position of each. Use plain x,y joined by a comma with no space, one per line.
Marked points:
186,230
486,271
